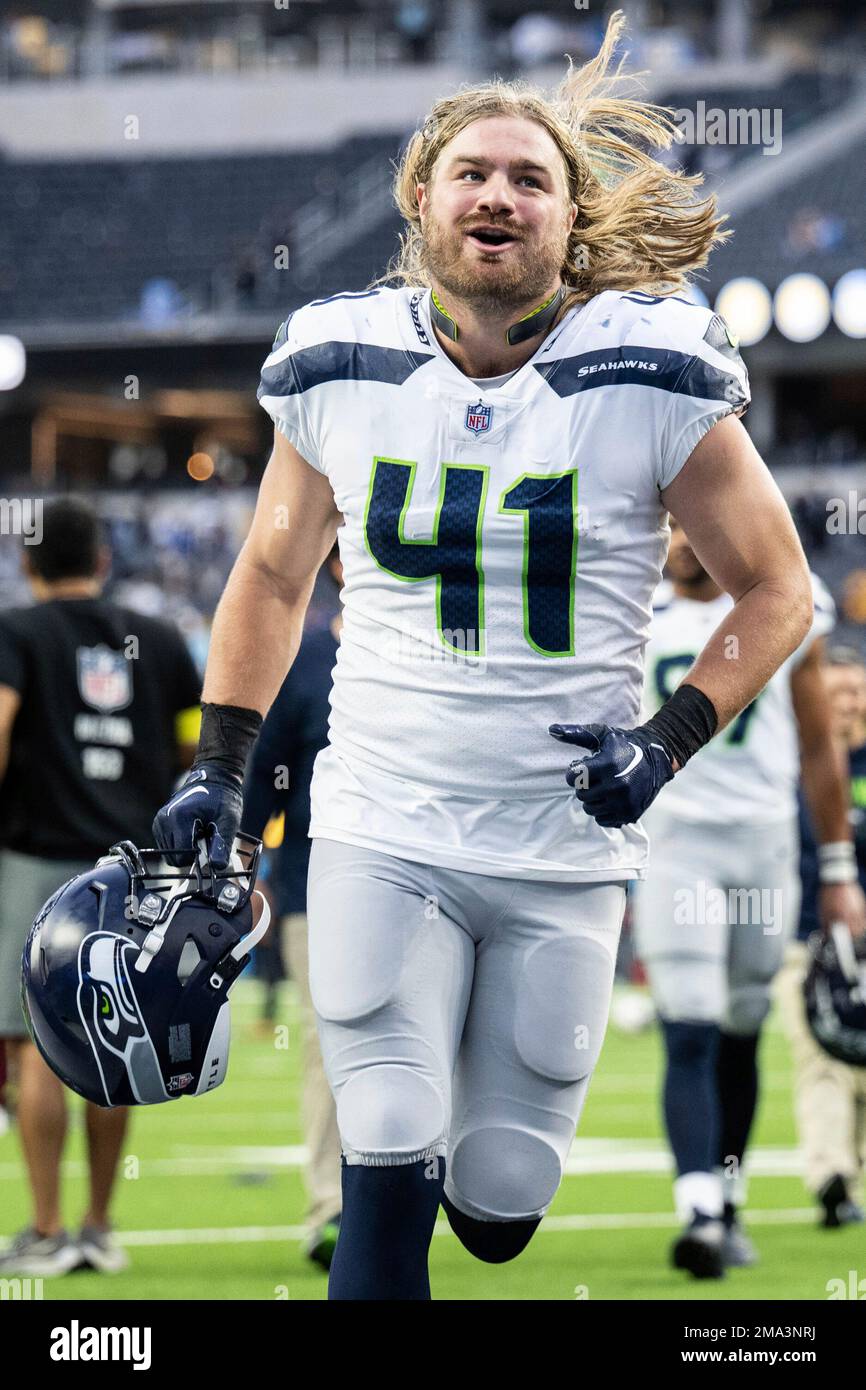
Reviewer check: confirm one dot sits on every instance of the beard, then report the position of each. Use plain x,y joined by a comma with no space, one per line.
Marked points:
517,281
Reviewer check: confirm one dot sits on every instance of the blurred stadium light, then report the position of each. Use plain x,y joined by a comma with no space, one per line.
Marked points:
849,304
746,305
13,362
802,307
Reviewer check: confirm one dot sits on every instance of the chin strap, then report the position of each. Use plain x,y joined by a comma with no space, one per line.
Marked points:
536,321
255,934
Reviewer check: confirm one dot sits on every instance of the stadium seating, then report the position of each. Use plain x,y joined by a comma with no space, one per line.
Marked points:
205,228
813,224
157,241
802,97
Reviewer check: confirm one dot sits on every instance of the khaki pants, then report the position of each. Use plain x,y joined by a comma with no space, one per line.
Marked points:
26,883
829,1097
319,1114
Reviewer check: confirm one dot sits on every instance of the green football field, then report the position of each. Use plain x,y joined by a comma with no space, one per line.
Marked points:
210,1202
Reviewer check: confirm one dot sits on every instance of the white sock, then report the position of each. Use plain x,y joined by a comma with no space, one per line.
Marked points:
700,1192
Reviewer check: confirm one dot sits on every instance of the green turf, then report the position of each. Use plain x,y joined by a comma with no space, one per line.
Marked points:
185,1171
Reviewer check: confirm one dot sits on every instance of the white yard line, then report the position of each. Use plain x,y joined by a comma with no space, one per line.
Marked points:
609,1221
639,1082
214,1235
587,1157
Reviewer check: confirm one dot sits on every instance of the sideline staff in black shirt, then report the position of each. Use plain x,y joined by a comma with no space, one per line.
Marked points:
92,700
93,746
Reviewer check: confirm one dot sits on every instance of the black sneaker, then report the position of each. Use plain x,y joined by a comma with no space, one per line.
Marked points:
839,1209
738,1252
700,1247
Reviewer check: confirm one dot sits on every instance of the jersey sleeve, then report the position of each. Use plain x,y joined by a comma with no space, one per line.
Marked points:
281,391
708,381
12,666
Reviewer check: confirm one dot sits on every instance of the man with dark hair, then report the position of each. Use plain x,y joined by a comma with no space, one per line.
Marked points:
69,548
90,743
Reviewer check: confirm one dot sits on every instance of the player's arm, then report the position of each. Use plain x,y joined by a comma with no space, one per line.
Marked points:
739,527
825,784
258,624
255,638
10,703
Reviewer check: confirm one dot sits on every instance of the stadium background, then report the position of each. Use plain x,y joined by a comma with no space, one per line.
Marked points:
175,177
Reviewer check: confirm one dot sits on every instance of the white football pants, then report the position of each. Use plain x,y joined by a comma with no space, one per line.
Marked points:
713,917
459,1014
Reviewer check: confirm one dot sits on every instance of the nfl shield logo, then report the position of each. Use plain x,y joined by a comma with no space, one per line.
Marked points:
180,1083
104,678
478,417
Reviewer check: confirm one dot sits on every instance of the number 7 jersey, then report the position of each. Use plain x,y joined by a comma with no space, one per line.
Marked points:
748,774
500,551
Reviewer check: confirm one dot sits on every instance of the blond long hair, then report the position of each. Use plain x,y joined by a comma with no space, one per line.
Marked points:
639,225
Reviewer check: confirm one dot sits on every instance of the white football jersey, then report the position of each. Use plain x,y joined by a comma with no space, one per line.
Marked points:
750,771
501,546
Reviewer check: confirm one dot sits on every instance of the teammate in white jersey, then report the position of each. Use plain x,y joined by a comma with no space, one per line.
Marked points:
496,445
720,902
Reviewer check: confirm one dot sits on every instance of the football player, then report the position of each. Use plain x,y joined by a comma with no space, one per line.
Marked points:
830,1096
496,443
721,900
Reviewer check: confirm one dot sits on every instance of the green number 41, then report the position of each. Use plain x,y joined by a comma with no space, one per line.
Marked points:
452,557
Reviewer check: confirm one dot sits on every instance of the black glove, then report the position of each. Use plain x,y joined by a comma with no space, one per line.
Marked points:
623,773
208,803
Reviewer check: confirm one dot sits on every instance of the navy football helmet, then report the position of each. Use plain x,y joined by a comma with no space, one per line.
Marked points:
128,967
835,990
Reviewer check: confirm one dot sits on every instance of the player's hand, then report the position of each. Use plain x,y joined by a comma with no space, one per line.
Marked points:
842,902
624,771
208,803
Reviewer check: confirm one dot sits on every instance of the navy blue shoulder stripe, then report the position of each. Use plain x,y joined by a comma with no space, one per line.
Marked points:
642,366
347,294
282,332
335,361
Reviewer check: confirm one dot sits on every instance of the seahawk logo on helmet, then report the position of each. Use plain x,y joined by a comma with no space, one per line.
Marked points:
111,1014
127,970
835,993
